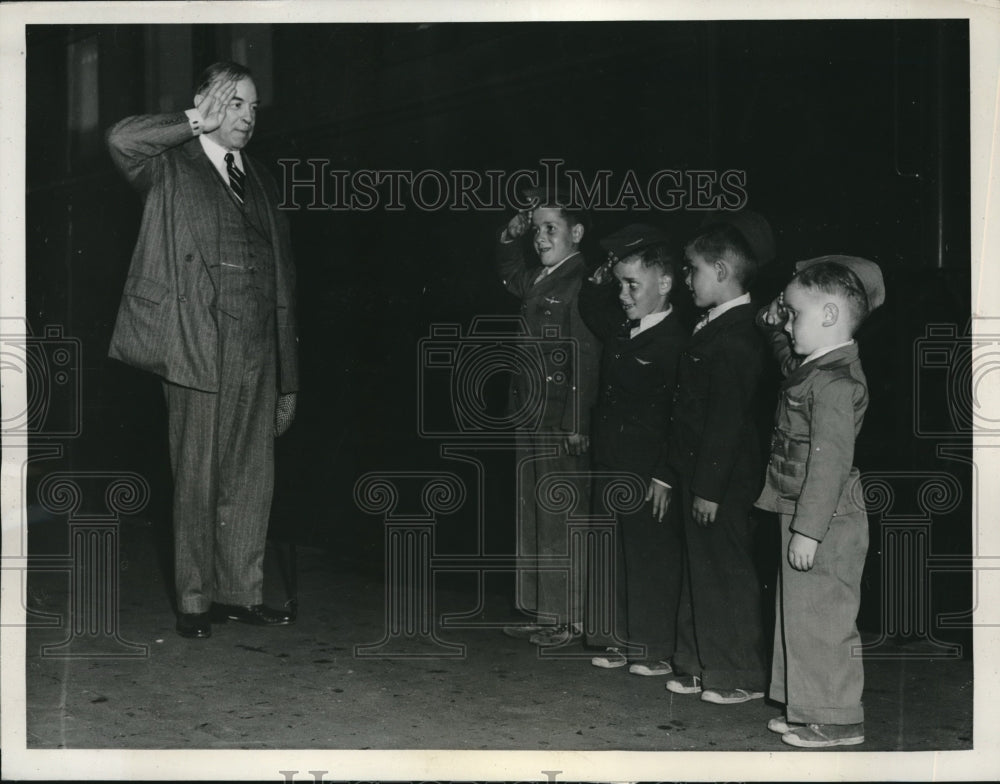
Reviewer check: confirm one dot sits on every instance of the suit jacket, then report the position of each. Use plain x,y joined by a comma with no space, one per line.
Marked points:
713,445
820,411
567,351
637,380
167,320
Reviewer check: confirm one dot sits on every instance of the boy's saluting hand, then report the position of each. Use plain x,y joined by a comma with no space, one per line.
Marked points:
802,552
775,315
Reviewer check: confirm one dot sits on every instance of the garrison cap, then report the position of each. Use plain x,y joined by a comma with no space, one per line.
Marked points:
867,272
632,239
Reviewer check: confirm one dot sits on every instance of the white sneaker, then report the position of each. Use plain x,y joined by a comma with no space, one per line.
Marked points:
730,696
651,668
611,659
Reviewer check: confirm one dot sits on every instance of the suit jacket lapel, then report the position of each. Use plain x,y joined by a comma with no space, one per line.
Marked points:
732,316
565,269
201,203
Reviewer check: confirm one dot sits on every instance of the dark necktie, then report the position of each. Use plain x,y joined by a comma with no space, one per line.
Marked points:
628,326
236,177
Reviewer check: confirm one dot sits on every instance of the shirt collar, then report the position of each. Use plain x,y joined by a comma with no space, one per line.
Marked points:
823,351
217,154
650,320
718,310
549,270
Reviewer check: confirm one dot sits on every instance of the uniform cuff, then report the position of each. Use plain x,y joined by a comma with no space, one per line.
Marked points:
195,119
661,483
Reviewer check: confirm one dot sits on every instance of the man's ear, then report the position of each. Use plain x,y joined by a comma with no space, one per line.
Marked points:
576,232
831,313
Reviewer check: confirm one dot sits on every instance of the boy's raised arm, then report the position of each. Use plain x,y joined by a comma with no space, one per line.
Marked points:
771,321
510,258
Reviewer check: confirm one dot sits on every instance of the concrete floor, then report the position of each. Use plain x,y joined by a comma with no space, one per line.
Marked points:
307,687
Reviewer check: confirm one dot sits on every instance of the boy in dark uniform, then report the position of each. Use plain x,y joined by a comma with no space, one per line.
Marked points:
816,491
715,459
560,443
627,305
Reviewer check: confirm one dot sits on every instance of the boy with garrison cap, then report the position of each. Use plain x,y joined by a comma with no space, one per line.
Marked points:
627,305
816,491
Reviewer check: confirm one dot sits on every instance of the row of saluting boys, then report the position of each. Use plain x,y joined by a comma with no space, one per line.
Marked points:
675,407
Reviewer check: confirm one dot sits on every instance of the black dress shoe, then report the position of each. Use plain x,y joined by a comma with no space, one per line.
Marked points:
254,614
194,625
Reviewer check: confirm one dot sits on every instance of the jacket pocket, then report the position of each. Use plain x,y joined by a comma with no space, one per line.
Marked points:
146,288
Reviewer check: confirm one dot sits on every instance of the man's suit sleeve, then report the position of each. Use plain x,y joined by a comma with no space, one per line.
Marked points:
136,144
734,373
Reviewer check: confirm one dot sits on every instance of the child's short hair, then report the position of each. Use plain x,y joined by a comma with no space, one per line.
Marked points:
837,280
660,256
726,241
557,198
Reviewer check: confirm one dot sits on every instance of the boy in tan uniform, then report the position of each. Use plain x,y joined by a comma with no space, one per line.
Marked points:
816,491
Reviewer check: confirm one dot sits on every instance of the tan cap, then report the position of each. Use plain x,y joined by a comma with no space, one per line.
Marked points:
867,272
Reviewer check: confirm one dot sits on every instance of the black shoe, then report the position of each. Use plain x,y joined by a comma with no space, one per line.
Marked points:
194,625
254,614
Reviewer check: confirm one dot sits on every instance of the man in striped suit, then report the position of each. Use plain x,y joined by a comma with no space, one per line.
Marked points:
209,306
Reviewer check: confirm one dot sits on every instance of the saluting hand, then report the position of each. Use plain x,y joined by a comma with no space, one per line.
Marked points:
775,315
213,103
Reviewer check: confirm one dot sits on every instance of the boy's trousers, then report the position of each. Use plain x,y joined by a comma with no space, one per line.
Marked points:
647,582
720,633
814,671
545,587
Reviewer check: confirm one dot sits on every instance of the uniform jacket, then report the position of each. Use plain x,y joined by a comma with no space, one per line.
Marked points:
637,379
167,318
567,351
820,412
713,444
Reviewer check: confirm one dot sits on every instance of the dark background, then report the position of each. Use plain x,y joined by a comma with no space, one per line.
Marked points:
854,136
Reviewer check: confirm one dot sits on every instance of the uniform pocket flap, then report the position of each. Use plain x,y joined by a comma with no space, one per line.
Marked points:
146,288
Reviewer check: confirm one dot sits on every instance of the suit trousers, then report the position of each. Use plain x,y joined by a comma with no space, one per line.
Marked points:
647,580
222,457
719,624
546,586
815,671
